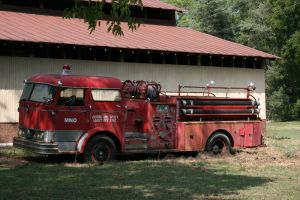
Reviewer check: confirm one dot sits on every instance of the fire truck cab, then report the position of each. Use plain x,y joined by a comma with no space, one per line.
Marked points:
99,117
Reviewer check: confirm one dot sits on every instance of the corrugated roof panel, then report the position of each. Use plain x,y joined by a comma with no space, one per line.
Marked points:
51,29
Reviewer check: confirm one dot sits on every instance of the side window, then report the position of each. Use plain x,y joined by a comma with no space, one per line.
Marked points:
106,95
71,97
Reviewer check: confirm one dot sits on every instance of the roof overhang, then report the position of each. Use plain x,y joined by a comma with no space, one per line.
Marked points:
52,29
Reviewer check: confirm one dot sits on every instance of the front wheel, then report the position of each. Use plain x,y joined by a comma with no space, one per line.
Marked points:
100,149
219,143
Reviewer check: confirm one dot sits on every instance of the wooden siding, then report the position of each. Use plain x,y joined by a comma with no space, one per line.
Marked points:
15,69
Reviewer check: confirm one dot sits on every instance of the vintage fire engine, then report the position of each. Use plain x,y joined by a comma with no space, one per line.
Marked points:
100,117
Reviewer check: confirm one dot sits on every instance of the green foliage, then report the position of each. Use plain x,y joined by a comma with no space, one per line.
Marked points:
252,27
297,108
188,17
209,16
285,19
92,12
279,107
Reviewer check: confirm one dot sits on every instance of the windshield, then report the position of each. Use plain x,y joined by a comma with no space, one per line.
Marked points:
38,92
26,91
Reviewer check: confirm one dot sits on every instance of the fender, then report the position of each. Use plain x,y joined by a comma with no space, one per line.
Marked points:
83,140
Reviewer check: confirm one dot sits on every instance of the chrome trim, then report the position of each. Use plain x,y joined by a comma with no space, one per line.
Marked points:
36,147
66,147
81,141
135,146
136,135
67,136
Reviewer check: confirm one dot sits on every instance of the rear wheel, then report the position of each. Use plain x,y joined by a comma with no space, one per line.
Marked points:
219,143
99,150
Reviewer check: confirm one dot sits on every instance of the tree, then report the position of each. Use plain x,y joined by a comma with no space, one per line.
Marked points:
187,18
285,22
252,27
92,11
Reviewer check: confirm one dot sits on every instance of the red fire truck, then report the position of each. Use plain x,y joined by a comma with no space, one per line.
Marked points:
100,117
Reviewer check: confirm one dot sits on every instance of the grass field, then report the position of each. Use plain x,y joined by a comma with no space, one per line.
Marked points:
271,172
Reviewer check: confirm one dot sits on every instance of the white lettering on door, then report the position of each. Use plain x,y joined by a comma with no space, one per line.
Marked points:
105,118
70,120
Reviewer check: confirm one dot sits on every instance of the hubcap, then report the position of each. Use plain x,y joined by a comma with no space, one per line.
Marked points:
101,152
218,147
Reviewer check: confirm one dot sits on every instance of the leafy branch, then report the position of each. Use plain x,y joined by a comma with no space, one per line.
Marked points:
94,11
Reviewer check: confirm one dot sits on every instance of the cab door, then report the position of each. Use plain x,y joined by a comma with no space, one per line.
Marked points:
107,110
71,114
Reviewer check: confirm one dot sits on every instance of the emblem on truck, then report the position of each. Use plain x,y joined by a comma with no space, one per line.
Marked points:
70,120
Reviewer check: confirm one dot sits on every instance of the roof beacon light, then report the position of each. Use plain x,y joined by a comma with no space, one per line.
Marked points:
251,86
211,83
66,69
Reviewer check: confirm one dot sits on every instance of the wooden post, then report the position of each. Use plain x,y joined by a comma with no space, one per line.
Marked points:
121,56
163,58
199,60
176,59
137,56
254,62
47,51
222,62
94,54
149,57
41,4
188,60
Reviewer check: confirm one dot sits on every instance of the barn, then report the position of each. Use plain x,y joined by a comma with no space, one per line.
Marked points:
35,39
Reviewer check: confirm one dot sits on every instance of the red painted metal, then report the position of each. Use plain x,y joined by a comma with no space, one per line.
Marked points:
78,81
136,123
52,29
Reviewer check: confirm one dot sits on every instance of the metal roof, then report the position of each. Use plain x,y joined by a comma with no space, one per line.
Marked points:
52,29
153,4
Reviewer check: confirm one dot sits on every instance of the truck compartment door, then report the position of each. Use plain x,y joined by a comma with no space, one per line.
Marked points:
249,135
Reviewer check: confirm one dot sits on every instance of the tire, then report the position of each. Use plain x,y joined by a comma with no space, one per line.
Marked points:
100,149
219,143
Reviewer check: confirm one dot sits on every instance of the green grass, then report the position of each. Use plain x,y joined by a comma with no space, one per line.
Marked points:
264,173
285,137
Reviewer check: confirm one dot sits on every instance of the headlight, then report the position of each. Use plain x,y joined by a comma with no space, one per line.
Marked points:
44,136
21,133
39,136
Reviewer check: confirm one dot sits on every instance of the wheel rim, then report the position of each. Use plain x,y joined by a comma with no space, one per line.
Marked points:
101,152
218,147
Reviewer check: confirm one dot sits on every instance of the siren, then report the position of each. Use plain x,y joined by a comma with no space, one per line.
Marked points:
66,69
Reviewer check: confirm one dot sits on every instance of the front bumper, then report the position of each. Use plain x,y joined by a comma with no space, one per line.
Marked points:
36,147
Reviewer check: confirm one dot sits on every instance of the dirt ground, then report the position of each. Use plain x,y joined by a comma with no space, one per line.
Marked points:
12,162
